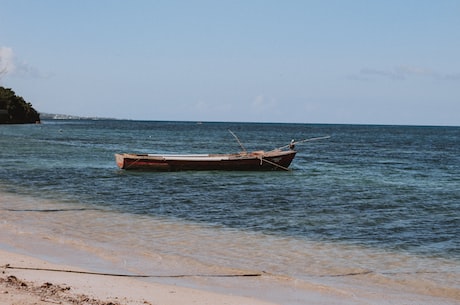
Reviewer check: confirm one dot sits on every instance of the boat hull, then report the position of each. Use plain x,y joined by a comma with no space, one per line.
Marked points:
256,161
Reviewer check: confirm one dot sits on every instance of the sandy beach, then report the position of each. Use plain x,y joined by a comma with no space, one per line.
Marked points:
26,280
27,287
39,248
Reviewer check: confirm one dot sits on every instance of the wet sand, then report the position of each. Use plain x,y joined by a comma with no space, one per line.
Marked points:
26,280
32,240
26,287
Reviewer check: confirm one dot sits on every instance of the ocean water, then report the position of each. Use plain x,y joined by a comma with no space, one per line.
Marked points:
371,209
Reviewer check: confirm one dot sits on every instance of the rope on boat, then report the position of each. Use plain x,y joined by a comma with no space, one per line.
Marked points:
137,160
8,266
274,164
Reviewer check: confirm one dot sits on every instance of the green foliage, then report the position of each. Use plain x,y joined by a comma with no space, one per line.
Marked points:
15,110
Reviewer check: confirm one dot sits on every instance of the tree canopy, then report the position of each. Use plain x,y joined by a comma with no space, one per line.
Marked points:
15,110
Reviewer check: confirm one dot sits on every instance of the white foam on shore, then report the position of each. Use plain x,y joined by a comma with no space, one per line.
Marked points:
293,269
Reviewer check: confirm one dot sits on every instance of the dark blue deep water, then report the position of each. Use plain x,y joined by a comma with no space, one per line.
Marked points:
389,187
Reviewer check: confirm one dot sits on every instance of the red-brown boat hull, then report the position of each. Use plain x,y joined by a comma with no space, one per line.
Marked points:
275,160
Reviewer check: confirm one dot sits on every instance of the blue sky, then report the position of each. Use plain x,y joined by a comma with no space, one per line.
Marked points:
365,62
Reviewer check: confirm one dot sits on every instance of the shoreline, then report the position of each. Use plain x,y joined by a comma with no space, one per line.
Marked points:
27,280
31,237
23,287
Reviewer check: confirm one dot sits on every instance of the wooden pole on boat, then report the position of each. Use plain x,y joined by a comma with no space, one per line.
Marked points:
302,141
238,140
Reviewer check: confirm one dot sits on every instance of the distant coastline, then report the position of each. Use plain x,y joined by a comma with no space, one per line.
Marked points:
56,116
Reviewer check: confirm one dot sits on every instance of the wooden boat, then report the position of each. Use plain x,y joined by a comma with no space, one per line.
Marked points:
244,161
277,159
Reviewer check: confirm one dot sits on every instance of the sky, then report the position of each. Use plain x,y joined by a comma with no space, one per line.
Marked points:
345,62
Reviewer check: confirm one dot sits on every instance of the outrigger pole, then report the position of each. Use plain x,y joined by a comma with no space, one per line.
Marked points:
302,141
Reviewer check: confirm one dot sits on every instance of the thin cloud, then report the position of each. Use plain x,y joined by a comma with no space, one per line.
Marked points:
454,76
9,65
263,102
370,72
6,61
403,72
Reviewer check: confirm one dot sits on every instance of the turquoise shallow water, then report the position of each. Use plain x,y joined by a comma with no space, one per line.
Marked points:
371,209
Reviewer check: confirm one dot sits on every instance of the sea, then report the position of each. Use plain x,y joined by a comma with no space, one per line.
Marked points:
370,215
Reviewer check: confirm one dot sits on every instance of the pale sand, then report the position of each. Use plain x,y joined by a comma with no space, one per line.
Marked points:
41,287
27,287
38,287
